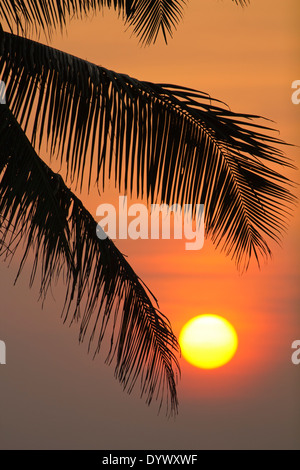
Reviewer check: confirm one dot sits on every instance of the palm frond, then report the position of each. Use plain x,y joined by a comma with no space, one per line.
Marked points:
160,140
47,15
147,17
243,3
41,213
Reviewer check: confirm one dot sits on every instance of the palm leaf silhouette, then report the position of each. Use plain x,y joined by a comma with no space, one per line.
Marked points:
146,17
37,206
163,140
166,142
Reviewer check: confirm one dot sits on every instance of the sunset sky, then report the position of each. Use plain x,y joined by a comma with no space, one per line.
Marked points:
53,395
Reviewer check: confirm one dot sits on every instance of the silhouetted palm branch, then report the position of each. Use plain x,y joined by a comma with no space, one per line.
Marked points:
164,141
40,210
242,2
147,17
167,142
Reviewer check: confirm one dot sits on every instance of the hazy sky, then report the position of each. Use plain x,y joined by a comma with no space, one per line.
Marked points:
52,395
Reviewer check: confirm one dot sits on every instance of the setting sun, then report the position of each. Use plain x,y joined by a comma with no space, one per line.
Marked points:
208,341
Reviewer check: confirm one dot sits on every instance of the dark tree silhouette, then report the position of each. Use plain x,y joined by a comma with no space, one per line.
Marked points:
164,141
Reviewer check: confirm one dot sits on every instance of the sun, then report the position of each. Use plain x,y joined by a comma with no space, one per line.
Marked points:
208,341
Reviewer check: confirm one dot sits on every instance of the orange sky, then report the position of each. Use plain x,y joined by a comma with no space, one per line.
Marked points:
252,71
247,58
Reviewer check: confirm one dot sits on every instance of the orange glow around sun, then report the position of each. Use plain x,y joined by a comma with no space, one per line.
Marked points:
208,341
